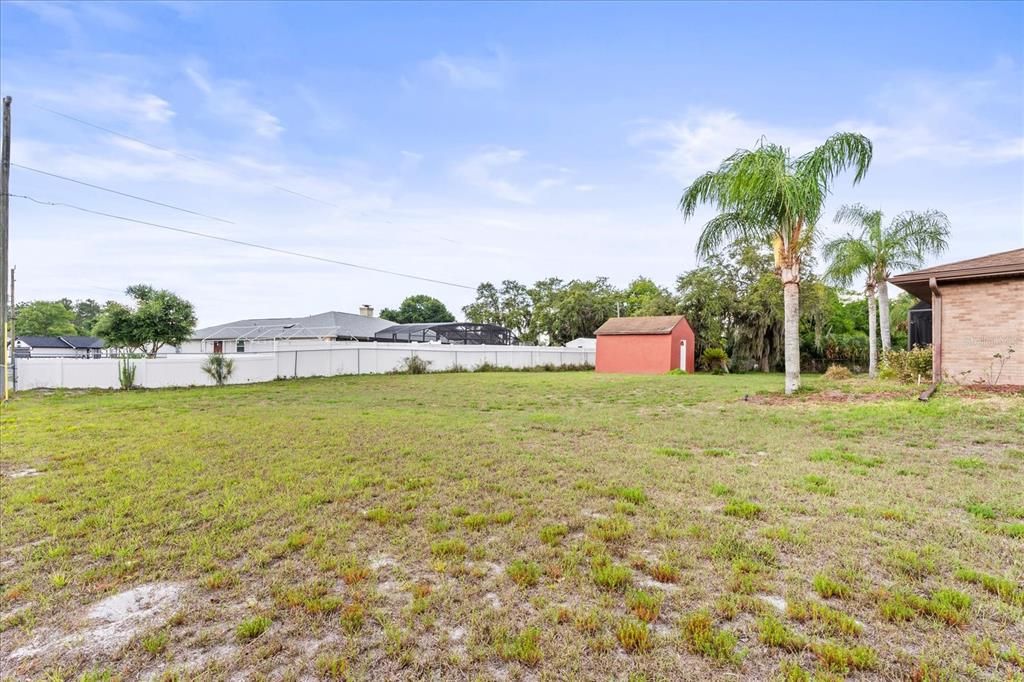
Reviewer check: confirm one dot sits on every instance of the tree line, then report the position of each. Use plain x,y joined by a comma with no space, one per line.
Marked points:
155,318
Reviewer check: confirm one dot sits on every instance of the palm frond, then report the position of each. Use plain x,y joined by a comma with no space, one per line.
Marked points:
848,256
910,237
837,154
726,228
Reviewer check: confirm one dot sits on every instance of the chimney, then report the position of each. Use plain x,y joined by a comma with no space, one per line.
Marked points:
366,310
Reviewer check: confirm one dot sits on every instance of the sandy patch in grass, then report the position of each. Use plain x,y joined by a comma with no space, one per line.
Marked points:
108,625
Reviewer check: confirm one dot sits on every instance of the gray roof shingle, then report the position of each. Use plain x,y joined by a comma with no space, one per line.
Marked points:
332,324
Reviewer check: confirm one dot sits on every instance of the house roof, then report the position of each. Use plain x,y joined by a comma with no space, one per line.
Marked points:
332,324
661,324
1003,264
76,342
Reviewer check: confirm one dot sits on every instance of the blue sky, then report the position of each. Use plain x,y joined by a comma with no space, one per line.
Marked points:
478,142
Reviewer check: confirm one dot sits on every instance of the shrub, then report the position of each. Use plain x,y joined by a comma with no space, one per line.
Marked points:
715,360
413,364
218,367
910,366
838,373
126,374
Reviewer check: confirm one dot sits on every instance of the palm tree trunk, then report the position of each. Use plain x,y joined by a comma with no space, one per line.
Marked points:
883,316
791,327
872,332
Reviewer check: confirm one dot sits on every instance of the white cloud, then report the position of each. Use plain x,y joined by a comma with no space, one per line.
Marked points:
468,72
489,169
226,99
107,95
69,17
949,121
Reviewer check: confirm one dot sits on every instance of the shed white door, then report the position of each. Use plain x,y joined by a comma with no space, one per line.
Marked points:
682,356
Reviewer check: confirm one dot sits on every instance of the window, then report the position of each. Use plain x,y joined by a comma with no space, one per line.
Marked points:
240,346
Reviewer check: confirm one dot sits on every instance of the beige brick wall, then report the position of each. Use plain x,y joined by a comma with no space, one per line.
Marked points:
980,319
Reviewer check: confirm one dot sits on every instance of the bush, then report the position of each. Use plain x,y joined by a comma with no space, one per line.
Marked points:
908,365
715,360
126,374
413,364
837,373
218,367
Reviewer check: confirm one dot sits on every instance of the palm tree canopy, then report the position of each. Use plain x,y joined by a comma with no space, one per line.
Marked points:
902,245
767,195
848,257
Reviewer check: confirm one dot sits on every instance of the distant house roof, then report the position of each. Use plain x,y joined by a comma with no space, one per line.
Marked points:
331,324
75,342
661,324
1004,264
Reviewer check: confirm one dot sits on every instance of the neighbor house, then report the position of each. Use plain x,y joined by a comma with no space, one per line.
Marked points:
58,347
267,334
975,309
645,345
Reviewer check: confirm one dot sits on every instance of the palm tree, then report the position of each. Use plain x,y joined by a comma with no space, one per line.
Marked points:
848,257
903,245
765,195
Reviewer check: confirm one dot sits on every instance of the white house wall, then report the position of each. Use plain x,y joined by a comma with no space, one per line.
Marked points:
363,358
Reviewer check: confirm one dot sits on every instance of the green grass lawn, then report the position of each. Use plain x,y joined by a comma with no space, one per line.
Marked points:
515,526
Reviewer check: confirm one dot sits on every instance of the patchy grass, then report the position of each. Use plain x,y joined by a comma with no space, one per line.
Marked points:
634,635
252,628
702,637
480,526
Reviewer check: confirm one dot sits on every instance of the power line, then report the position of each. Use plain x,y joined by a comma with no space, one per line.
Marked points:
240,242
123,194
169,151
196,159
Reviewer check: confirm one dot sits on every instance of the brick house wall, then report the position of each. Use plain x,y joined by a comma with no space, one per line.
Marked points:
980,319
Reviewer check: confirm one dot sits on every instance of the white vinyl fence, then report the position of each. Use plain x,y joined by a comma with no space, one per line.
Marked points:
368,358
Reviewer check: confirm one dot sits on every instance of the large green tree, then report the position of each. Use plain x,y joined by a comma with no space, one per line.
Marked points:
44,318
563,312
509,306
158,318
643,297
766,195
876,251
418,308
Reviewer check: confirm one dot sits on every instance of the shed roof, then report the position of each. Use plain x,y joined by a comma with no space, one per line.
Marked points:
661,324
1003,264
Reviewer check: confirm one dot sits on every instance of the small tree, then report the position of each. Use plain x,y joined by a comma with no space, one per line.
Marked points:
44,318
715,360
218,367
418,308
159,318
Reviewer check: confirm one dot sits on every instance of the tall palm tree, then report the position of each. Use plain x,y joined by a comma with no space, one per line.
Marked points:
764,194
903,245
849,257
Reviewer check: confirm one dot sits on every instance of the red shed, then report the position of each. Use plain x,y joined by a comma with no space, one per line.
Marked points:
645,345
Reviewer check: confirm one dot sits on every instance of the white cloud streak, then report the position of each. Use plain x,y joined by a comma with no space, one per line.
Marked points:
227,100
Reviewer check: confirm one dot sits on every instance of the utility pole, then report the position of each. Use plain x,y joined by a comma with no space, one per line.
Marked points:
14,358
5,197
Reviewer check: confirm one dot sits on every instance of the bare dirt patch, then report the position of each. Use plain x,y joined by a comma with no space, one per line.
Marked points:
105,627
